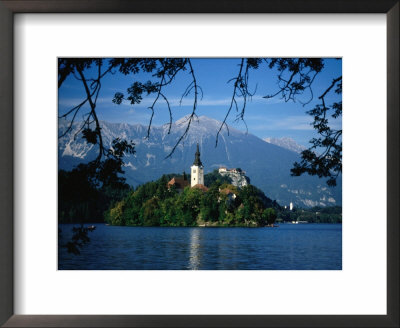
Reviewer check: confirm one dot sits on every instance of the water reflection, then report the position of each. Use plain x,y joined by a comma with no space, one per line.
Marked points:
291,247
194,257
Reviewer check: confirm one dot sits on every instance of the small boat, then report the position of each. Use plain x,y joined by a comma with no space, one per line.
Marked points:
91,228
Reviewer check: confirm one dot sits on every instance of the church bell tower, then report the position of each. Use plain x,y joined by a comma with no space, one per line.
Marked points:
197,170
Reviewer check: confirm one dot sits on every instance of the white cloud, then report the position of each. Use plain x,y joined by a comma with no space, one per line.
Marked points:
295,122
173,101
281,123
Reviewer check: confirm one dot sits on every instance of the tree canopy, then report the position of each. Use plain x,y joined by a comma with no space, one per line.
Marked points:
157,204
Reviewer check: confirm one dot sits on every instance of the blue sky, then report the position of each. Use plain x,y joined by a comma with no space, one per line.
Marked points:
264,117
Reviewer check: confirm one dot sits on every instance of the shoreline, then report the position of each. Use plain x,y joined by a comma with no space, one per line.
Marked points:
197,226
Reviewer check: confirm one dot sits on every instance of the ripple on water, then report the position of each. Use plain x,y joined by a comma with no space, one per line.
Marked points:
289,247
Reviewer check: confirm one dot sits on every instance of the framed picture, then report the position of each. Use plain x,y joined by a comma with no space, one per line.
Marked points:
163,292
238,176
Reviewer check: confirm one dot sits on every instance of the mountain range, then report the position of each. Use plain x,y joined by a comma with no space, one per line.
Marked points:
265,163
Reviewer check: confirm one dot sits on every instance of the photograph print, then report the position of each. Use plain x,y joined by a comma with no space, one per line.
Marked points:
199,163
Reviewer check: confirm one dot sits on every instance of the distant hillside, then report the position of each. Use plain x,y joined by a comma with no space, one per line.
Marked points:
287,143
267,165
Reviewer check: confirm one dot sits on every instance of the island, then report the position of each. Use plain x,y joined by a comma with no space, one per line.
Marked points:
209,200
222,198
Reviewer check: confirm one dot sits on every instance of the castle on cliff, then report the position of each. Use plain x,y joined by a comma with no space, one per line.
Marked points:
237,176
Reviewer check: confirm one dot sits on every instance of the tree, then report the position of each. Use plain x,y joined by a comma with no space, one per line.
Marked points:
324,157
209,208
295,78
269,216
329,162
106,169
151,212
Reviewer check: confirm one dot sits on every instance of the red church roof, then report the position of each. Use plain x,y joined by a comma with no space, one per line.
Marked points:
201,187
178,182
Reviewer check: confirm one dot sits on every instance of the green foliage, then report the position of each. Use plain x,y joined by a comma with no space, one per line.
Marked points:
151,211
269,216
209,205
80,199
153,204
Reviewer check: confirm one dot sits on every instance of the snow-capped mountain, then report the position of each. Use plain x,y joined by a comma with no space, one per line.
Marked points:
287,143
267,165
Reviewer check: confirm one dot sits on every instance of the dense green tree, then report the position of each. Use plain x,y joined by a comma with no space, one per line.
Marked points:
223,204
151,212
209,204
269,216
80,199
162,189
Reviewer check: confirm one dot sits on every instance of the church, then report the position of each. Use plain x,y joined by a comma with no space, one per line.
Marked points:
196,175
197,170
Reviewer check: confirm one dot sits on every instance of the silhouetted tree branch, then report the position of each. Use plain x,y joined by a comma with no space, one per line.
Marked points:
295,78
241,93
329,162
166,69
193,86
296,75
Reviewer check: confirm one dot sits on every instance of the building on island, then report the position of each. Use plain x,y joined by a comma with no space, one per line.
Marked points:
179,182
223,170
237,176
196,179
197,170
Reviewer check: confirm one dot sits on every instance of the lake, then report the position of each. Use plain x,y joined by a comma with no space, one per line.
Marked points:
287,247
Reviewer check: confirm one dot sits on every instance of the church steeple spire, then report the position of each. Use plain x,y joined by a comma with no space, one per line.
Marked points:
197,160
197,170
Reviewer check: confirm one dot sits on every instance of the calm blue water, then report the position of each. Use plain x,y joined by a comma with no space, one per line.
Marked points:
288,247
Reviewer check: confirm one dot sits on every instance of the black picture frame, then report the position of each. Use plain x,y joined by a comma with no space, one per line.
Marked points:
10,7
